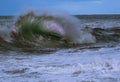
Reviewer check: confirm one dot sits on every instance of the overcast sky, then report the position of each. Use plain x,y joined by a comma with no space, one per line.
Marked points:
12,7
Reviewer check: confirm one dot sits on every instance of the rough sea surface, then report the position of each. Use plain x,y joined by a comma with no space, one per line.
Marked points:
97,62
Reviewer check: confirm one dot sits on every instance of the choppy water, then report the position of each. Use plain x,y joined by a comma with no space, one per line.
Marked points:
96,62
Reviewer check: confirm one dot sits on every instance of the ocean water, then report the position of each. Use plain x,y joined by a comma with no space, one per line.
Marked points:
93,62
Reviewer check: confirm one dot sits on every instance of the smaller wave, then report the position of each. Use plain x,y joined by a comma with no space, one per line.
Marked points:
107,34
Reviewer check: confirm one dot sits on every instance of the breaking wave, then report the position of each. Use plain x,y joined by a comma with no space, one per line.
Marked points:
51,29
